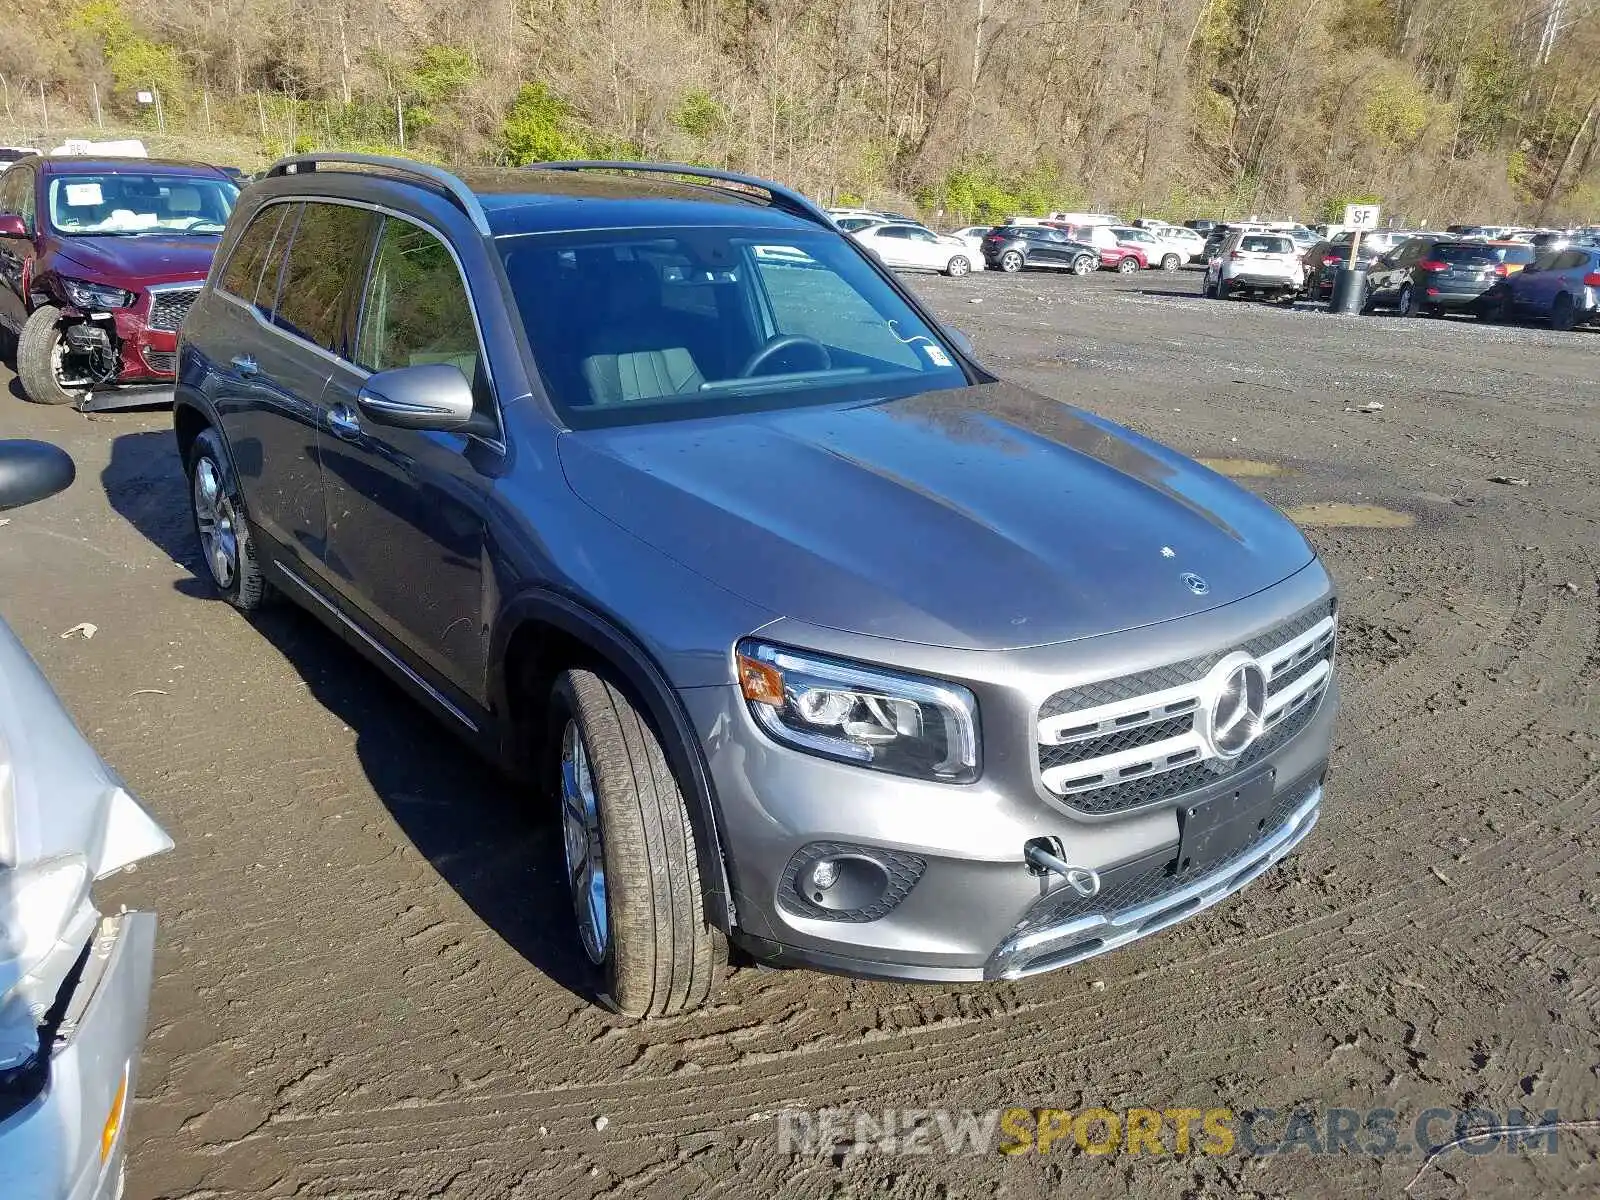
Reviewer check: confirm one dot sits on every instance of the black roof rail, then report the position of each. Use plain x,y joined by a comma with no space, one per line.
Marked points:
459,193
778,196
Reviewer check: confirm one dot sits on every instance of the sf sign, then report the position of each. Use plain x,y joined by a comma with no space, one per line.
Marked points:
1361,216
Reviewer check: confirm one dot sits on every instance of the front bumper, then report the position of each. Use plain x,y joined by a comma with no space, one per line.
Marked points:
962,903
53,1148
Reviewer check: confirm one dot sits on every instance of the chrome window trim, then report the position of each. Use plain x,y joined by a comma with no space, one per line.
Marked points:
497,442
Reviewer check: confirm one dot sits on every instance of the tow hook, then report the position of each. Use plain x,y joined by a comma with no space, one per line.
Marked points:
1043,856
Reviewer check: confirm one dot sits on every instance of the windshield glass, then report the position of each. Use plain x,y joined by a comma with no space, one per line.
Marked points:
119,203
629,326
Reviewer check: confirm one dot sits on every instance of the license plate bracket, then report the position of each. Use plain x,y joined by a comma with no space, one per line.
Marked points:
1211,830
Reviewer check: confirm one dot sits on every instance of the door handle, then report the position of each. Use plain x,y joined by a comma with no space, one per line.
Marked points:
342,420
244,365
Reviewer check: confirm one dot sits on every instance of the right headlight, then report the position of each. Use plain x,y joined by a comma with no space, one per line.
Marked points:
856,713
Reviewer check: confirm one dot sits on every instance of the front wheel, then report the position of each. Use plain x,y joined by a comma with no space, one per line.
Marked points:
1128,265
1170,262
1084,264
630,852
957,267
41,360
1011,261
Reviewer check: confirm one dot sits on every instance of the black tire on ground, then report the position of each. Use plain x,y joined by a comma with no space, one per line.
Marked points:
1170,262
1407,305
957,266
1505,309
1222,289
1367,304
1128,265
1084,264
243,585
661,957
36,358
1563,314
1011,260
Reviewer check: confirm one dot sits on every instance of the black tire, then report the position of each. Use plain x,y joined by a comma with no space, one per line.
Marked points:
660,956
957,266
1084,264
1563,314
1011,261
1170,262
1128,265
36,358
243,585
1368,303
1505,309
1222,289
1406,305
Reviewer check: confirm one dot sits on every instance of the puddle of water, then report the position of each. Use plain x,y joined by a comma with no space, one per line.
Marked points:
1244,468
1338,515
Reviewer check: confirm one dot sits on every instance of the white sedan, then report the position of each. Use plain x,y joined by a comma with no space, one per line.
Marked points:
914,248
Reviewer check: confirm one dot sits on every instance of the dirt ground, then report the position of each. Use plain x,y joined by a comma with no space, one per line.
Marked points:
365,977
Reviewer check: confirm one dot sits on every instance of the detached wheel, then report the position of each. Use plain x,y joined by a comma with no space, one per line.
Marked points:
1084,264
41,359
221,527
1011,261
630,854
1564,315
1170,262
1128,265
957,267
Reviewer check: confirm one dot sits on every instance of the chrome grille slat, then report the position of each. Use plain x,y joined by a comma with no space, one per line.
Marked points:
1123,743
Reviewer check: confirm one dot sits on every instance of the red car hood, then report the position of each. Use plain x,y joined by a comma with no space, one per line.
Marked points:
137,260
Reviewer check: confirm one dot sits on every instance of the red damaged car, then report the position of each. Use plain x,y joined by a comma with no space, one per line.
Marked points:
100,259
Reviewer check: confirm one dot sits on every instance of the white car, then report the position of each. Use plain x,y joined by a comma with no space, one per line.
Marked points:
1258,262
1190,242
914,248
1158,250
972,238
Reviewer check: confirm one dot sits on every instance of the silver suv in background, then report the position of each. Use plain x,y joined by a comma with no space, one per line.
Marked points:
1258,263
815,635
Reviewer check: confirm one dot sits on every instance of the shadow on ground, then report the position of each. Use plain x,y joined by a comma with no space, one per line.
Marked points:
487,837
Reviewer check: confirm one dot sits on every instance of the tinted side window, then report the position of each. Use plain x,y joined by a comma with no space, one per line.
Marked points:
416,309
25,195
329,248
242,276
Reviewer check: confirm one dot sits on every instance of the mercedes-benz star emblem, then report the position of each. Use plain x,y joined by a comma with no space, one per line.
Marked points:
1194,583
1235,705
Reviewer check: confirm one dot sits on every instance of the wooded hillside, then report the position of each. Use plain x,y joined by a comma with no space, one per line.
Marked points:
1442,109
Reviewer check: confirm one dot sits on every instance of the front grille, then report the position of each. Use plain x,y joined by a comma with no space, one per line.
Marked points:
169,307
1123,743
1065,904
162,362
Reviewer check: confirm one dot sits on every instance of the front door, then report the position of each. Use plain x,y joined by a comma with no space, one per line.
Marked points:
16,252
405,507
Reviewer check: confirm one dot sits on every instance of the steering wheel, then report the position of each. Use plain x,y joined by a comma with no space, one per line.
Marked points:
778,345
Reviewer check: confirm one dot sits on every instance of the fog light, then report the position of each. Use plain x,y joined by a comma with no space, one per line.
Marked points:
825,874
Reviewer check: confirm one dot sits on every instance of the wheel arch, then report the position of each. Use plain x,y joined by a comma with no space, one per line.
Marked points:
541,633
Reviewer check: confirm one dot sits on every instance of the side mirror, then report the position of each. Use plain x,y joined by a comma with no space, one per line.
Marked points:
12,225
429,396
31,471
962,341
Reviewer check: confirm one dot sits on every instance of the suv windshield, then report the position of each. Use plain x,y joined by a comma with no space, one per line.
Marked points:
629,326
120,203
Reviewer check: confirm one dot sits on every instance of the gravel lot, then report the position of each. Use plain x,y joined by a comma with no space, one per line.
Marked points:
364,962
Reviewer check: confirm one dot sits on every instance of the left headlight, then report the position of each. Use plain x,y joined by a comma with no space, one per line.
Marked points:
84,294
903,724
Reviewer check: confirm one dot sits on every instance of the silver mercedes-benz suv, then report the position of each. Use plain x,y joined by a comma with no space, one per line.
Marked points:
817,636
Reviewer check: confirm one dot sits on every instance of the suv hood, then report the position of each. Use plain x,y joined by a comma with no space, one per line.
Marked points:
982,517
141,258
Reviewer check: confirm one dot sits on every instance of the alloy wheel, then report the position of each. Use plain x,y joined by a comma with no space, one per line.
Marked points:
218,523
1011,261
585,852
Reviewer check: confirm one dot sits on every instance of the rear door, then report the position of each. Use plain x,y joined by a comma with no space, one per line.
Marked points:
280,372
1536,284
893,245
